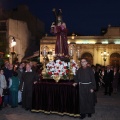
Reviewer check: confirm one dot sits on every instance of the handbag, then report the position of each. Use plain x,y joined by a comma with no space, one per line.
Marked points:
6,91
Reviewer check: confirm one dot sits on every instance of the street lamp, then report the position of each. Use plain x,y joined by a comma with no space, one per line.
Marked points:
13,43
104,56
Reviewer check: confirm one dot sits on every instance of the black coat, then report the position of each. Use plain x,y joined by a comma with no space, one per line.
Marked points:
86,98
108,77
27,81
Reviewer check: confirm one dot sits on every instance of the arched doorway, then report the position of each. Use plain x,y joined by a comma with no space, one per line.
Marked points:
88,56
115,59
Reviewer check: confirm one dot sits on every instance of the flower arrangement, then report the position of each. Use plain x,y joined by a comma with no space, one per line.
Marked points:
61,68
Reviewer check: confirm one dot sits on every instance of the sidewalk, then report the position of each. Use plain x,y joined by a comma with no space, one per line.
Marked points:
107,108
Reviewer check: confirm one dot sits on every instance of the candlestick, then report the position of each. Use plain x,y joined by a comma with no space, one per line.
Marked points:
78,53
44,52
71,52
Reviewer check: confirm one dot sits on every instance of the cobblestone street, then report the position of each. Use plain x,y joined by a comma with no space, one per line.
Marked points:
107,108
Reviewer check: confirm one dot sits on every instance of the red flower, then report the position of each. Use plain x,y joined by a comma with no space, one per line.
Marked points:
56,74
63,74
50,73
64,67
73,64
67,71
60,63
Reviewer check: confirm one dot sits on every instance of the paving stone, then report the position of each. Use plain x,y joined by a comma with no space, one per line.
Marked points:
107,108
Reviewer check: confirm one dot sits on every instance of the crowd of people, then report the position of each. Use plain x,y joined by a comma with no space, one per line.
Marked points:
16,84
108,77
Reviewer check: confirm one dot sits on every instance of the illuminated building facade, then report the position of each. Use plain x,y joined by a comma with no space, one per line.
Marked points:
91,47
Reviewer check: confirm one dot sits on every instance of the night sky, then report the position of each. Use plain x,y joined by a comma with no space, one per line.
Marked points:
85,17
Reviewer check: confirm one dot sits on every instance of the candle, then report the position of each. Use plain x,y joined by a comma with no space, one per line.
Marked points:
44,52
78,53
53,52
71,51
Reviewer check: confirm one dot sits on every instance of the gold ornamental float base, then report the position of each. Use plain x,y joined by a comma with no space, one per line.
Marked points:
56,78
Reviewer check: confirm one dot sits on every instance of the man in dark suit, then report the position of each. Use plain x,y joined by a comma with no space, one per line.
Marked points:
108,78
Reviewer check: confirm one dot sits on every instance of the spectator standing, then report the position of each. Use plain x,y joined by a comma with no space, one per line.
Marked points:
20,72
108,78
13,86
6,91
10,74
3,86
101,76
6,72
29,78
97,79
115,80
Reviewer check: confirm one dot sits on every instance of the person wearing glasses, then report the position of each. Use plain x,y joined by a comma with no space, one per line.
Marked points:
85,79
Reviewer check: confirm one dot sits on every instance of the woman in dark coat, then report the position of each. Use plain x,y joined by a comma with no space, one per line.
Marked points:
108,79
29,78
85,78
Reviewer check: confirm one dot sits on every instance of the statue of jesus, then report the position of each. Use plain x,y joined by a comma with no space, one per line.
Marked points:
60,30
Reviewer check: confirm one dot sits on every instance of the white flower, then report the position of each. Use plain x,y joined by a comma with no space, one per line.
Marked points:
61,68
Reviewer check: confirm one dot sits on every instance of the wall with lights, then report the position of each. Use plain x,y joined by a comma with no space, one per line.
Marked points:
93,45
18,30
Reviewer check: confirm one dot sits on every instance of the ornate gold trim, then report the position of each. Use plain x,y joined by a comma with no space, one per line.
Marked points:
54,112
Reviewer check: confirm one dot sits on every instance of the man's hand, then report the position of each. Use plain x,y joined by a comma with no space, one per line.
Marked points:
91,90
53,25
35,82
74,84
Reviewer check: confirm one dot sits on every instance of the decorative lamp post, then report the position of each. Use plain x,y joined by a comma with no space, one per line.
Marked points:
104,56
13,43
45,50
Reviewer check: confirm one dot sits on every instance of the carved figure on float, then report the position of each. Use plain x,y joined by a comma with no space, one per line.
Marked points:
59,29
61,67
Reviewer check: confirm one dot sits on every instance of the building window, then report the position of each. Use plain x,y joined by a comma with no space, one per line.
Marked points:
3,26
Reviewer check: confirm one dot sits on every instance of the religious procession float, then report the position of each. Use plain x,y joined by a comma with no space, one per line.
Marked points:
63,66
